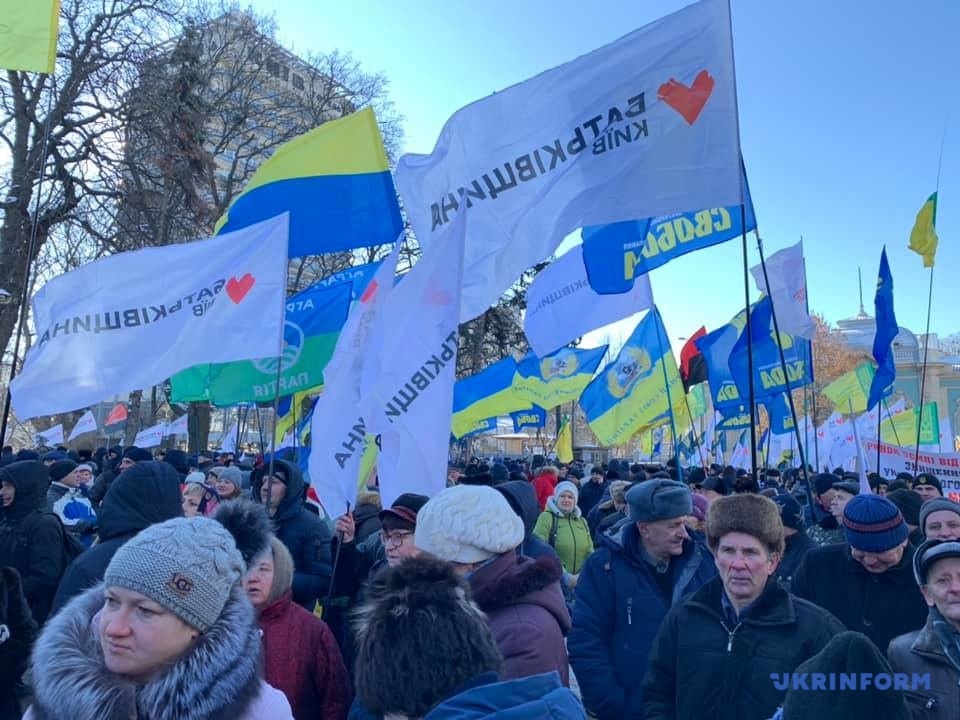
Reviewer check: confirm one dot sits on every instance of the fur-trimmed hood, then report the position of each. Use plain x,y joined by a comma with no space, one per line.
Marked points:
216,680
512,580
576,513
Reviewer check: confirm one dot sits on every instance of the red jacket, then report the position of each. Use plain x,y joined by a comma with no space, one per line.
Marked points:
302,660
545,484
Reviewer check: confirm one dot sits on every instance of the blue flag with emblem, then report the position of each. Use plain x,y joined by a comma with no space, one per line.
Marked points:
615,254
768,376
630,393
716,347
534,417
557,378
887,330
778,410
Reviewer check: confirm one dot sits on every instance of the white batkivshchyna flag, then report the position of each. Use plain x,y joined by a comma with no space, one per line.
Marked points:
228,441
642,127
166,308
740,457
337,428
179,426
151,436
787,272
51,436
561,305
408,389
86,423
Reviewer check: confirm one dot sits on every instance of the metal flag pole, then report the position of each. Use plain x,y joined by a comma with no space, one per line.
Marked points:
666,384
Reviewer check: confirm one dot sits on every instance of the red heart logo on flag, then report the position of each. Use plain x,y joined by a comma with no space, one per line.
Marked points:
688,101
238,289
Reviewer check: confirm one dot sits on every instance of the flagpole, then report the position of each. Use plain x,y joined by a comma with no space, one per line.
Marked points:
666,384
693,431
783,361
31,248
752,399
896,435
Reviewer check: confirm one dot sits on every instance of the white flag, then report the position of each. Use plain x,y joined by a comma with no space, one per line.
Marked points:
178,426
211,301
337,430
86,423
228,441
642,127
740,458
787,273
51,436
409,387
151,437
561,305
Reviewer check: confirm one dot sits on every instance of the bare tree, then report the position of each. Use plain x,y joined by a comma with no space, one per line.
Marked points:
61,134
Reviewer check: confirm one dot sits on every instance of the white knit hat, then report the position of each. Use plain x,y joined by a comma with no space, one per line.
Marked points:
468,524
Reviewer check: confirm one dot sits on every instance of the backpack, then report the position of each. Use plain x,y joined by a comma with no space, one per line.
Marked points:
72,546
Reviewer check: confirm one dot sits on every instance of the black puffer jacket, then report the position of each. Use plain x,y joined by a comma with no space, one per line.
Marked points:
145,494
31,539
18,630
306,536
704,666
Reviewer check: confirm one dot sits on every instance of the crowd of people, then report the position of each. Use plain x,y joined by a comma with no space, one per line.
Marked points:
209,586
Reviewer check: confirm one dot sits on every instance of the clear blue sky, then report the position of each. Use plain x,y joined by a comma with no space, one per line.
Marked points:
843,107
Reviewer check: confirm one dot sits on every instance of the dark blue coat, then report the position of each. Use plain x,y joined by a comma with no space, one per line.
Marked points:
617,614
144,494
304,534
537,697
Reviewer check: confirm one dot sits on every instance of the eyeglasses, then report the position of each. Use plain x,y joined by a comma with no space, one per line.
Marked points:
395,539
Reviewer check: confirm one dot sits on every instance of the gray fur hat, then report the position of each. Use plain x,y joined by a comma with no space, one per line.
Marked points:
187,565
654,500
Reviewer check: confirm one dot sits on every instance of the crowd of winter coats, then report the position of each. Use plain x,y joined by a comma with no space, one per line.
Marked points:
653,592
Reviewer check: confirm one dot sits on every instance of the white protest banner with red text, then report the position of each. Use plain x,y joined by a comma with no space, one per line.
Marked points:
895,459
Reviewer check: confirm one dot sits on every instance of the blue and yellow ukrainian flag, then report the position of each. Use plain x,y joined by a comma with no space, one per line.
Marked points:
559,377
630,394
28,34
334,181
487,394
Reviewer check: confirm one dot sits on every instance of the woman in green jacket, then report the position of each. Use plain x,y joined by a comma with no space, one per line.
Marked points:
564,528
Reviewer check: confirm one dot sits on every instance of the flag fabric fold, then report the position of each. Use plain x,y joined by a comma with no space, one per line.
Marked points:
312,324
850,391
159,320
693,366
630,394
557,378
642,127
86,423
887,330
338,430
564,448
923,236
486,394
618,254
333,180
533,417
787,272
561,305
29,38
51,436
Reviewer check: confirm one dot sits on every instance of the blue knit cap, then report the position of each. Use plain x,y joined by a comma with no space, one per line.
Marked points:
873,524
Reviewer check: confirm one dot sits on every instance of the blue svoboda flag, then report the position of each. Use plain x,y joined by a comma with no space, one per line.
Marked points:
630,394
557,378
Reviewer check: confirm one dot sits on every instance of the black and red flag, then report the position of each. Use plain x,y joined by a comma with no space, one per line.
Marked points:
693,366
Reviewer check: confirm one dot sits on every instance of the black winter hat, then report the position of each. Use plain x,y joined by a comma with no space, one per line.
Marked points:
850,653
499,473
790,511
60,469
179,460
137,454
695,476
909,503
824,482
928,479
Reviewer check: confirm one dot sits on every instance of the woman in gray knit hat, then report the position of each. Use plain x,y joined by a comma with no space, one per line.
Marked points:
169,635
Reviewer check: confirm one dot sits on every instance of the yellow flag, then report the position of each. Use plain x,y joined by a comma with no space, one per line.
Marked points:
923,237
565,442
28,34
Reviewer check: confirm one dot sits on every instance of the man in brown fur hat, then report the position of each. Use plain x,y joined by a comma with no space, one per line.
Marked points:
739,629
